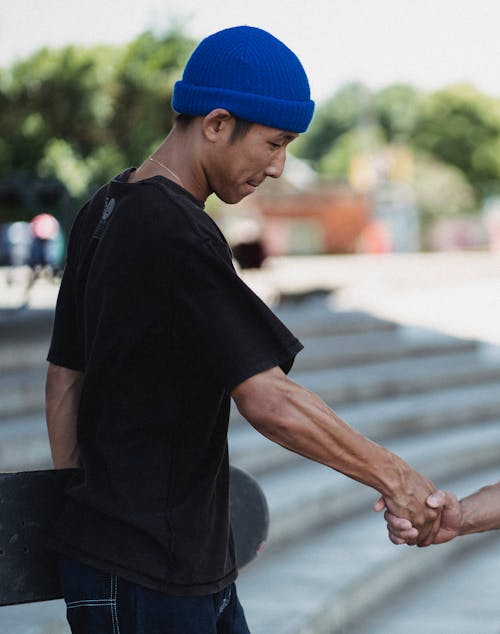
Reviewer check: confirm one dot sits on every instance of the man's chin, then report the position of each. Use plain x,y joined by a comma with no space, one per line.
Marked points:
233,198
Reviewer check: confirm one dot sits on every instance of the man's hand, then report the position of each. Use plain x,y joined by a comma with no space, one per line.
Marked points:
402,531
409,504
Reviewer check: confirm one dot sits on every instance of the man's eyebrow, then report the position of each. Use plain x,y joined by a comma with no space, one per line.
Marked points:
288,136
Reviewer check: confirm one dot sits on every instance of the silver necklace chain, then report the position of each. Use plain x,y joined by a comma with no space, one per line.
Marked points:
167,169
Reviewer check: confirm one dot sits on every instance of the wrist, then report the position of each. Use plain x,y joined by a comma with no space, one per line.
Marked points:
466,525
392,475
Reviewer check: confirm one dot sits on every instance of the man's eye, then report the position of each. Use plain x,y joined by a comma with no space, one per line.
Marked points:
275,146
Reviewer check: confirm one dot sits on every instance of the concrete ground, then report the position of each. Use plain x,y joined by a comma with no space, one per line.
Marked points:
457,293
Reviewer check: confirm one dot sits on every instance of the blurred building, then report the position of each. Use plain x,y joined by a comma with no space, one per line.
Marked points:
298,214
325,219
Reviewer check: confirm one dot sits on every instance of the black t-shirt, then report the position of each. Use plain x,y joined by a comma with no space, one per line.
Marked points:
163,329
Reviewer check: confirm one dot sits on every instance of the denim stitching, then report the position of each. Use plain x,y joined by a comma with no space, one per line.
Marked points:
225,602
111,603
114,614
90,602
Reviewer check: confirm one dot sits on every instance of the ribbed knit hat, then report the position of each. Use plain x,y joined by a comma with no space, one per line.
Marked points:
251,74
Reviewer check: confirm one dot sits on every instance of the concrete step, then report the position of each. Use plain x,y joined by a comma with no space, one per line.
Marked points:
379,420
29,354
398,378
327,583
312,320
21,324
22,392
24,444
306,496
366,347
48,617
402,376
458,598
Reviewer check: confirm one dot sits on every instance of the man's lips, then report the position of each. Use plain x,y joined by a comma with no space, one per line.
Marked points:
254,184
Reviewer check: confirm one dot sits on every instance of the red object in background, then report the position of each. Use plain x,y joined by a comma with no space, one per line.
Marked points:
44,227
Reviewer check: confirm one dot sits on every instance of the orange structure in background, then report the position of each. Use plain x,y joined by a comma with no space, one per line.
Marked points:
327,220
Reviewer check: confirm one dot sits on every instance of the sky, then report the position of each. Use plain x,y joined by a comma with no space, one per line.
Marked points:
427,43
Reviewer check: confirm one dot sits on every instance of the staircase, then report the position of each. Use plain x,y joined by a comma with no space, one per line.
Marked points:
431,398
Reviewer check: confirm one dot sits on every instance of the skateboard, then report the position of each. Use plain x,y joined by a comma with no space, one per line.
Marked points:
30,501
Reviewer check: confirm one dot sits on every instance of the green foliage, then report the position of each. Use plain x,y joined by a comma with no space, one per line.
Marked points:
457,129
61,162
349,107
461,126
335,164
145,77
397,110
81,114
441,189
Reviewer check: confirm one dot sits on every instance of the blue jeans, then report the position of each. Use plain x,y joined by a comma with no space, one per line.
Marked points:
100,603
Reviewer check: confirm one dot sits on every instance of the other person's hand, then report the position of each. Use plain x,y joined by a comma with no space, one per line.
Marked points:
402,531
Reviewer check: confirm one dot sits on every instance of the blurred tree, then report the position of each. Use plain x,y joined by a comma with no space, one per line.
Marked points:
56,94
394,109
335,164
350,106
397,109
461,126
441,189
142,114
80,115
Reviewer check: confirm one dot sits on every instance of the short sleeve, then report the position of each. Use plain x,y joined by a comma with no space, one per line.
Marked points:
66,346
220,321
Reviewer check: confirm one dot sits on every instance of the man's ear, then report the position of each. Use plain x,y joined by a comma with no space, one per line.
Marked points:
216,123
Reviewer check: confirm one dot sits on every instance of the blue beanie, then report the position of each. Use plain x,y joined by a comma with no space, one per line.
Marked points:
250,73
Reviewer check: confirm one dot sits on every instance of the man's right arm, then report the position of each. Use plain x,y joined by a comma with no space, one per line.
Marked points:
62,396
299,420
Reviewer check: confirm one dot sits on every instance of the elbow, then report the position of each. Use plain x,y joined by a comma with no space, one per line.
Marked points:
264,401
60,380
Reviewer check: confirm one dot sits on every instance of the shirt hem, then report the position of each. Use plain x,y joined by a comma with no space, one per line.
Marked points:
112,568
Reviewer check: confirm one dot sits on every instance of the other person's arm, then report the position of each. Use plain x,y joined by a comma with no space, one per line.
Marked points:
62,395
299,420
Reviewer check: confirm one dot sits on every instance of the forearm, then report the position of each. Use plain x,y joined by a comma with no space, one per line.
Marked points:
303,423
481,510
62,396
300,421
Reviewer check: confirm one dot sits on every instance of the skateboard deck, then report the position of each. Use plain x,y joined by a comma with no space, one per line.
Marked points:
30,501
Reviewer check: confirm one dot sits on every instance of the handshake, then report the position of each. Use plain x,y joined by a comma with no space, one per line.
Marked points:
446,517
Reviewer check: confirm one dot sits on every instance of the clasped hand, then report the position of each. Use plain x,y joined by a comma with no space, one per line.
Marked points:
404,531
408,511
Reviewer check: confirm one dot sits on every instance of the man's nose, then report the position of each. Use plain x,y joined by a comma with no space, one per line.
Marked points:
277,165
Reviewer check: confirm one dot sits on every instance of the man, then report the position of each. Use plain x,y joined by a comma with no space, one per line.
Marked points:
476,513
154,332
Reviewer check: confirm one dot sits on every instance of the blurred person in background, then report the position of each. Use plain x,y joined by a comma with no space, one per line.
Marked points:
46,245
